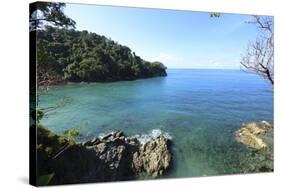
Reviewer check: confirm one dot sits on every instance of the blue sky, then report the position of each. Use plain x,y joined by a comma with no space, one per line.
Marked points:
179,39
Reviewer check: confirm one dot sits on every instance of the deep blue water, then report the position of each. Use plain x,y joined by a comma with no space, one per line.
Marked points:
199,109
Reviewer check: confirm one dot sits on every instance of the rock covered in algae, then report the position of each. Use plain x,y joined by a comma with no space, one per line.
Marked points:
252,134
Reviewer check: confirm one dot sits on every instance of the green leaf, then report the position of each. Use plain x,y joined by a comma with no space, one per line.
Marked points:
71,135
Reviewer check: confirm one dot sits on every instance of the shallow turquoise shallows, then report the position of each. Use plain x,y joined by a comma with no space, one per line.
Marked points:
199,109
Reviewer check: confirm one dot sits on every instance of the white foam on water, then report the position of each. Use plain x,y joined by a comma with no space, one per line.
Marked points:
143,138
102,135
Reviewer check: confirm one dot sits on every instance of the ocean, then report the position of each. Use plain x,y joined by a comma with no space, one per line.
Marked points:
199,109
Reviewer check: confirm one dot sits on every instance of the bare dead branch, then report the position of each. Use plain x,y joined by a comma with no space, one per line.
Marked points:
259,58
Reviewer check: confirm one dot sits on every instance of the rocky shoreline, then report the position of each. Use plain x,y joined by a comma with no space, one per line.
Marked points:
258,138
118,157
113,157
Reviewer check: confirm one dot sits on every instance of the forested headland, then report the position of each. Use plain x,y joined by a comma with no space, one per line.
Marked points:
76,56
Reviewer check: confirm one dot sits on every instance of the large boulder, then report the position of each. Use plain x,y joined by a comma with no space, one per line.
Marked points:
153,157
115,151
122,153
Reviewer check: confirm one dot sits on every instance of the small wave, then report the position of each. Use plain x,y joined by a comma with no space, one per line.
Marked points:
102,135
143,138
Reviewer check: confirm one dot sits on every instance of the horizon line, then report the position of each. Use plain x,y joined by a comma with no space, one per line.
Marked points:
207,68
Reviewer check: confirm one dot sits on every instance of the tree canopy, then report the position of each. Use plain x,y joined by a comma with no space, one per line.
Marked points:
71,55
48,13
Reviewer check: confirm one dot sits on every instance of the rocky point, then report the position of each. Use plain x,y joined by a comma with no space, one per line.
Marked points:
112,157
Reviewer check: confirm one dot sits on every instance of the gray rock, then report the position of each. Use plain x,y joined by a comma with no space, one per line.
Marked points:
110,158
153,157
121,153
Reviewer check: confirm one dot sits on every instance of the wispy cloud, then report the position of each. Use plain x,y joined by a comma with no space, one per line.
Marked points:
169,59
221,64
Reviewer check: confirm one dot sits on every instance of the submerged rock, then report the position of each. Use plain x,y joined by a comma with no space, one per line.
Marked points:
111,157
252,134
258,137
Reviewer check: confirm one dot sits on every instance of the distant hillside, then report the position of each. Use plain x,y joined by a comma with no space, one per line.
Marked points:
70,55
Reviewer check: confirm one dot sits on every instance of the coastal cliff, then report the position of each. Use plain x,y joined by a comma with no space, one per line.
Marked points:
113,157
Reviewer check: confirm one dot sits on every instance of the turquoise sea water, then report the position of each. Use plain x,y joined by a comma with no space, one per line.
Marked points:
199,109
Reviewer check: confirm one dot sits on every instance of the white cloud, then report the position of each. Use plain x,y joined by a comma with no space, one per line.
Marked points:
166,57
215,64
221,64
170,60
173,61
